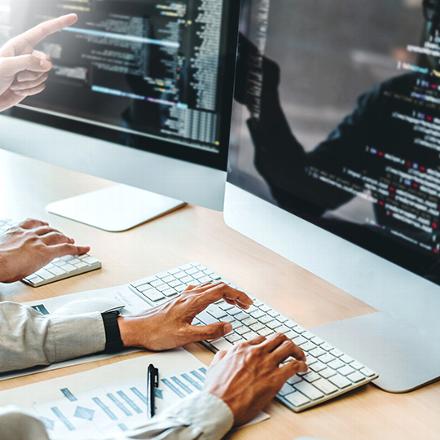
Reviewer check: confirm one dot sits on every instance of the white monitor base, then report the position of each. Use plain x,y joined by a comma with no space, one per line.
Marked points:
404,356
115,209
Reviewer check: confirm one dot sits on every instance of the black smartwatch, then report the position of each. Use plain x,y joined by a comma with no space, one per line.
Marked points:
113,338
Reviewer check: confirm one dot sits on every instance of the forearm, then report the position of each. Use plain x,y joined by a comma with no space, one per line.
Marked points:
202,417
29,339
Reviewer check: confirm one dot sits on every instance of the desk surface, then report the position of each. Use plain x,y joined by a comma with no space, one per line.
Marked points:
197,234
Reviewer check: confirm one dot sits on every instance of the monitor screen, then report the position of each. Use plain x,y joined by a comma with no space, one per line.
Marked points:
337,120
153,75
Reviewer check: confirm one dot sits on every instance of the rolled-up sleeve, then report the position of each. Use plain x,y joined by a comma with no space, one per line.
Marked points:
29,339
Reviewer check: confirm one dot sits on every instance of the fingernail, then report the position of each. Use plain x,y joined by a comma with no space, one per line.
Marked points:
227,328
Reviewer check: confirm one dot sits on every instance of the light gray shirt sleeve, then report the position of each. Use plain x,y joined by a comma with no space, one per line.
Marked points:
201,417
29,339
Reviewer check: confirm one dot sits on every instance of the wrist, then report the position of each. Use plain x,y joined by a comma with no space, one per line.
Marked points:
5,273
135,331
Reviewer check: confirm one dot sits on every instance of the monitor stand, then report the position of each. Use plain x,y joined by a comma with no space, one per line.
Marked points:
117,208
405,356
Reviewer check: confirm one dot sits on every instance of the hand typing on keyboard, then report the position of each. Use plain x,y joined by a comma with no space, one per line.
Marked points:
31,245
170,325
248,376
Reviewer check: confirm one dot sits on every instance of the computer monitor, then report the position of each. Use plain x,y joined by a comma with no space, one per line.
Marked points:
334,163
148,82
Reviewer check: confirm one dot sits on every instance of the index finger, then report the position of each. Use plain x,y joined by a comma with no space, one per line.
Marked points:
38,33
222,291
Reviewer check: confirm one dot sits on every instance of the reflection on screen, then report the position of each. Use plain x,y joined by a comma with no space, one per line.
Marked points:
337,120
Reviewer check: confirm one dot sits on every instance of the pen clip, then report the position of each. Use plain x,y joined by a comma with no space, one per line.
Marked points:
156,377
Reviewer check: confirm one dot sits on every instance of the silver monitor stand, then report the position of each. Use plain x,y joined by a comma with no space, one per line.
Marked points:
401,342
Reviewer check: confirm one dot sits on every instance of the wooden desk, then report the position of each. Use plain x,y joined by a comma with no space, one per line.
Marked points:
196,234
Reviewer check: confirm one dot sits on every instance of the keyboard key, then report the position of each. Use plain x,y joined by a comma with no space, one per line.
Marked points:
242,330
240,316
311,376
308,346
274,324
206,318
153,295
265,319
221,344
346,359
356,377
356,365
250,335
325,386
249,321
345,371
317,352
309,390
326,346
316,340
57,271
266,332
46,275
234,337
327,358
367,372
170,292
257,327
297,399
337,353
328,372
295,379
340,381
336,364
257,314
187,280
216,312
287,389
318,366
68,267
299,340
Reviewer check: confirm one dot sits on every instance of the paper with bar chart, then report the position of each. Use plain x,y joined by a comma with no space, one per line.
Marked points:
109,400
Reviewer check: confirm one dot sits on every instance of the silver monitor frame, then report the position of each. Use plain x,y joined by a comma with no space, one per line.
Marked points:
401,341
171,177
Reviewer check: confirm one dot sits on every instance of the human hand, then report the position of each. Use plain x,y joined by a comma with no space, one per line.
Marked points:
23,70
30,246
170,326
248,377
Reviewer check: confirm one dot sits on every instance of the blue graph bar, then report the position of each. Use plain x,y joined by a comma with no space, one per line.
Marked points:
195,373
194,383
174,389
119,404
62,418
141,396
129,402
68,394
178,382
105,408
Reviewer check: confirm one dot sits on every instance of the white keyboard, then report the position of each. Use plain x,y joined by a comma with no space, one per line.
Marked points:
332,372
58,269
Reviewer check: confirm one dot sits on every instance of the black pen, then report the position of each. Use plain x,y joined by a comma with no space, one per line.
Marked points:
152,384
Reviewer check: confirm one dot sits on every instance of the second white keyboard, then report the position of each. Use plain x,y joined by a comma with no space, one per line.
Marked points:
58,269
332,372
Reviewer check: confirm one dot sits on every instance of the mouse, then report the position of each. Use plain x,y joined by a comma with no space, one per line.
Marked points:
101,305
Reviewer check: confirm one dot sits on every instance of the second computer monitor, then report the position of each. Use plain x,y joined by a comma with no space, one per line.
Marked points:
155,76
